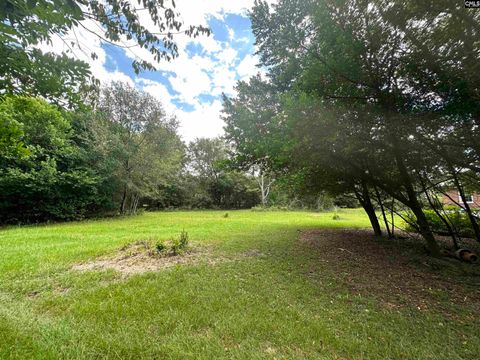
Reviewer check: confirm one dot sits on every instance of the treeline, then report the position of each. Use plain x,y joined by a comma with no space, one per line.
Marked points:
119,156
69,150
373,98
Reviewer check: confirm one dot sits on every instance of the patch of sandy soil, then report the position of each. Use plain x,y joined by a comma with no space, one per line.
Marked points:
397,277
140,257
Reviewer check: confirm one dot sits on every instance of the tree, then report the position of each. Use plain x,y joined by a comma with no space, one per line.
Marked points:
25,24
216,185
206,157
356,92
43,177
265,186
139,141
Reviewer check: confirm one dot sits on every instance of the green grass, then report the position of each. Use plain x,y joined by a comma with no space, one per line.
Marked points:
257,307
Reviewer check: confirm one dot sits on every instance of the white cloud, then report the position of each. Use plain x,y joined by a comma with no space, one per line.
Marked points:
190,84
247,67
205,121
159,91
223,81
227,56
211,72
231,34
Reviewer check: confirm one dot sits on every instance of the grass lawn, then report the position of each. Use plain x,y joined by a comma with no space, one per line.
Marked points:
262,301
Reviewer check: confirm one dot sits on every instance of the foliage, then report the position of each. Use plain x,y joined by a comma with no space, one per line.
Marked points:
160,247
46,179
119,156
57,78
180,244
183,239
365,106
456,217
139,142
25,25
216,185
174,247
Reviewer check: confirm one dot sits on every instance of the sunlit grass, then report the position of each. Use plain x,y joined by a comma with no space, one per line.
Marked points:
266,306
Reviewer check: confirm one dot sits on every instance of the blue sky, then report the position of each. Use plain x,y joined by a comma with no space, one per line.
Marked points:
190,86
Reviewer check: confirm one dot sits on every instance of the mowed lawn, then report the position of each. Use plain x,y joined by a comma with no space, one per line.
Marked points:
254,297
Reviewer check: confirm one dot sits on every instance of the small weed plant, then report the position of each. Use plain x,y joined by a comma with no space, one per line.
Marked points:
176,246
160,247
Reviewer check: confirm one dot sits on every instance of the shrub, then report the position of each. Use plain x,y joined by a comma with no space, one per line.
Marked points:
183,239
175,247
179,245
457,218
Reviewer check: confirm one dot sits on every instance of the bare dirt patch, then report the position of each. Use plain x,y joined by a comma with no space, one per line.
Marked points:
141,257
397,277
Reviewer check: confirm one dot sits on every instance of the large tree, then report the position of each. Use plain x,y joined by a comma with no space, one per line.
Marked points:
139,141
216,185
359,92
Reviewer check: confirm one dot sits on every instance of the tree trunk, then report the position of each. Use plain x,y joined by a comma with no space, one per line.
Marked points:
382,208
124,200
468,210
425,231
365,201
416,207
262,190
450,230
392,216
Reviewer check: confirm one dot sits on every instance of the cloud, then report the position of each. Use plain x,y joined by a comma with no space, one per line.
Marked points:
158,91
206,66
231,34
205,121
191,83
248,67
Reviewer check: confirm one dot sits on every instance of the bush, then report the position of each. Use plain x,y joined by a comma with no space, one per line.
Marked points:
458,219
179,245
173,247
183,239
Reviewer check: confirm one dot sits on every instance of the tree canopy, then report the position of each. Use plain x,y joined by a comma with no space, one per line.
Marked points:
60,78
362,96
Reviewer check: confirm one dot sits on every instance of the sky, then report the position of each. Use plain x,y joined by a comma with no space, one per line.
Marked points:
191,85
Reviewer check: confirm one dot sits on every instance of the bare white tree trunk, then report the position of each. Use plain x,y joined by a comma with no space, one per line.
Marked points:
265,186
134,203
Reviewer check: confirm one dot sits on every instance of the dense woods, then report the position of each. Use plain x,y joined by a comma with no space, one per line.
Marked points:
123,156
73,148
